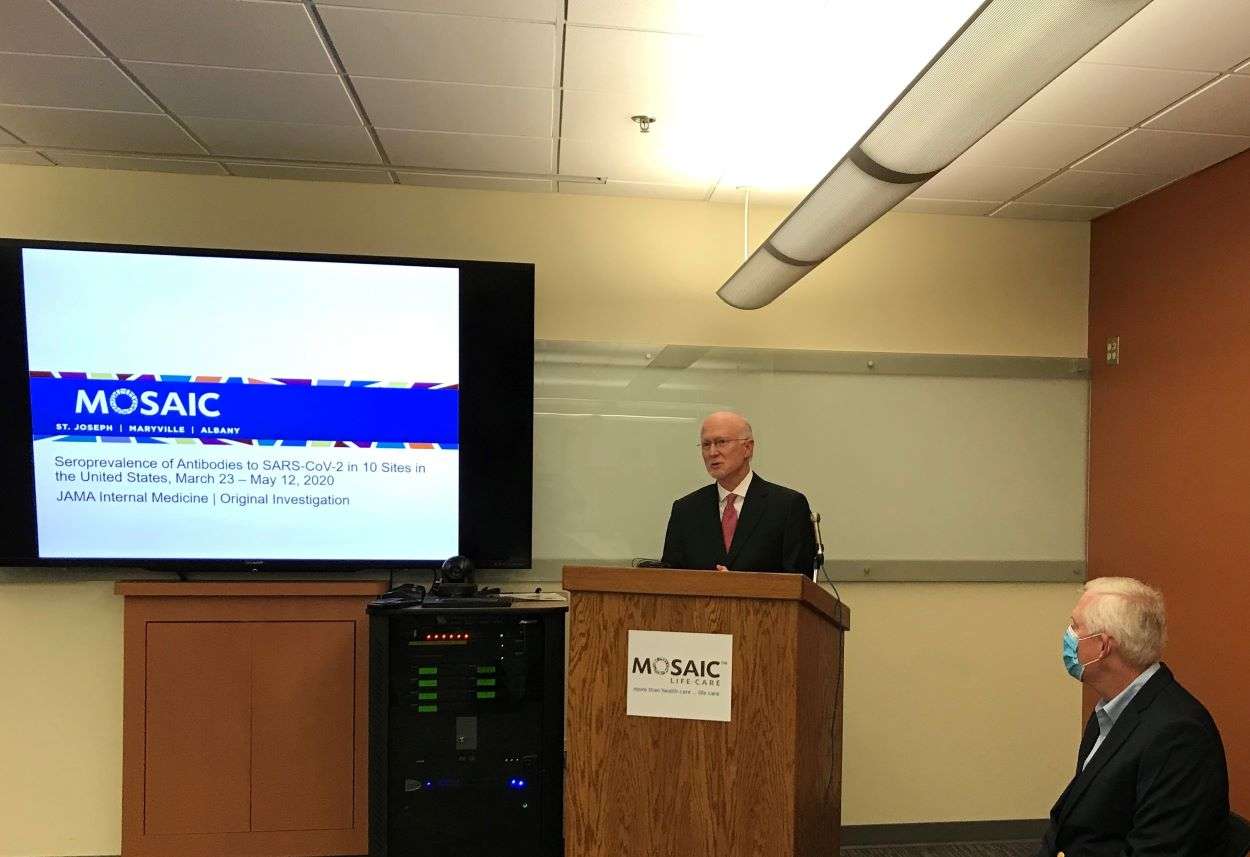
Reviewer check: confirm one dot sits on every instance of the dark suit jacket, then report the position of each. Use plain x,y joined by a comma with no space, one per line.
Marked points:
1157,787
774,531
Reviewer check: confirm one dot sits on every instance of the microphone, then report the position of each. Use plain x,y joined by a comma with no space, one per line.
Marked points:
818,562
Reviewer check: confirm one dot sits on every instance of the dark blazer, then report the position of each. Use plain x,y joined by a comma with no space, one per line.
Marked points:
774,531
1157,787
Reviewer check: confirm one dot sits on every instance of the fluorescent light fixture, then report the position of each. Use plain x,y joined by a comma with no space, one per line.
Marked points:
1004,54
806,77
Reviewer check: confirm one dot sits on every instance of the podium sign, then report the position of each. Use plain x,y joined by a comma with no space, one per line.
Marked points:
680,675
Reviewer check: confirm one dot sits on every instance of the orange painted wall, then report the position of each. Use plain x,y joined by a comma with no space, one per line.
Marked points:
1170,428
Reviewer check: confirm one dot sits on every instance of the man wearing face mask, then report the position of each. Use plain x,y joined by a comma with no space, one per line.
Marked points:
1151,778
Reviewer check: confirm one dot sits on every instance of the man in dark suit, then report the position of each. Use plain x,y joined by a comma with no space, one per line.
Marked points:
1151,778
740,522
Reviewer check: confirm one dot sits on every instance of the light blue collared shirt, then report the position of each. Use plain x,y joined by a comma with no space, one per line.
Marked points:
1108,711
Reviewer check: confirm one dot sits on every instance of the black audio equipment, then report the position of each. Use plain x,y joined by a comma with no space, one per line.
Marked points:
466,730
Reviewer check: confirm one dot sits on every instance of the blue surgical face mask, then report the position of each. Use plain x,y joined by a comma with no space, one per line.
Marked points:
1071,660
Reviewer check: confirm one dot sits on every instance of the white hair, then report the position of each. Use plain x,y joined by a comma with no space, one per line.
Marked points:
1132,613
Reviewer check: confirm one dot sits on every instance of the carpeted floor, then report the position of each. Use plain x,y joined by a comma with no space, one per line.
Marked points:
979,849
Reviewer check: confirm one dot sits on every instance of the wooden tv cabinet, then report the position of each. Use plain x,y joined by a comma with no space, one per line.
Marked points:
245,718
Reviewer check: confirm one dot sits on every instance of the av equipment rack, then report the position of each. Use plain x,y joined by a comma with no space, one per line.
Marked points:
466,731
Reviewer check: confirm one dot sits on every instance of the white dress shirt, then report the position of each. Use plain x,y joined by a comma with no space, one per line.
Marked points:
739,494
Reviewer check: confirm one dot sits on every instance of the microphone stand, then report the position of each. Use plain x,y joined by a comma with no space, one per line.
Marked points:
818,562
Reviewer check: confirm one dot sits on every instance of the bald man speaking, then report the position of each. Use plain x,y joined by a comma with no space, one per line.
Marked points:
740,522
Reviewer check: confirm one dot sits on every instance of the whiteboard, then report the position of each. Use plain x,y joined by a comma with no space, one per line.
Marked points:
901,467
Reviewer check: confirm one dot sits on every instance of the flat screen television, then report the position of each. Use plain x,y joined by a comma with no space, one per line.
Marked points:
191,409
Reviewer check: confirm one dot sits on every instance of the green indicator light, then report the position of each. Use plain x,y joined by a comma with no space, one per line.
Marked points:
486,694
427,696
426,709
427,682
427,670
485,682
486,669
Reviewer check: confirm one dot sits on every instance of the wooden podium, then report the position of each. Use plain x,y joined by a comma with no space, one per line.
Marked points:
768,782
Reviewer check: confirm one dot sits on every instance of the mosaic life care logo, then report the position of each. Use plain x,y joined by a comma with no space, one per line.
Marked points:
679,675
123,401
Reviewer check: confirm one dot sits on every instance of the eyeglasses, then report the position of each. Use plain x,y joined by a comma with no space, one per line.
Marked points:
718,443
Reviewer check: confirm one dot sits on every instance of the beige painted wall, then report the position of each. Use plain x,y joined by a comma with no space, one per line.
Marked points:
60,717
957,706
617,269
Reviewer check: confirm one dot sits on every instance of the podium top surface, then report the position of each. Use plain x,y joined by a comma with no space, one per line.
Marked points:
708,584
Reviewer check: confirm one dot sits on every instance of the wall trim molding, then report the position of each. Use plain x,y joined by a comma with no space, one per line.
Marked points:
723,358
941,832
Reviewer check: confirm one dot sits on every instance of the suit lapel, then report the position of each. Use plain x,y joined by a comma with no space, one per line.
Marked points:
1088,737
752,511
1087,742
1128,721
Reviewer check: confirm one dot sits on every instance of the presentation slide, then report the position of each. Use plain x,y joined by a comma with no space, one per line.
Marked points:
227,408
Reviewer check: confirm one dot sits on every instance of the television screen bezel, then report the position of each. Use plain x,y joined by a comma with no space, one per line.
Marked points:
496,379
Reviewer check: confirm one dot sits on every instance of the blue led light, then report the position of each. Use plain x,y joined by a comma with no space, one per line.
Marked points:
515,783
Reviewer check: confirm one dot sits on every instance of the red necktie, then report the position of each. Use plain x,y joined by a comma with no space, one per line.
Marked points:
729,520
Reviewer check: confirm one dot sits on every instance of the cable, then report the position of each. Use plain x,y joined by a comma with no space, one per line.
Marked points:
819,566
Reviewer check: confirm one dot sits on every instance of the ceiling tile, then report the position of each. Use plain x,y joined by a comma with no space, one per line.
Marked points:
525,10
327,174
658,65
650,190
468,151
416,46
1108,95
1038,211
1036,144
343,143
664,16
477,183
160,165
915,205
23,158
80,82
8,139
1083,187
97,129
1194,34
980,183
235,93
1221,108
586,115
235,33
776,198
1163,153
38,27
469,108
647,158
